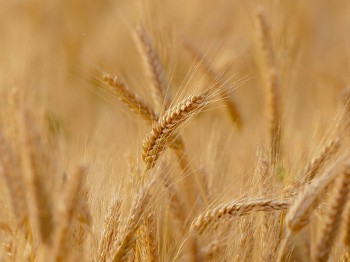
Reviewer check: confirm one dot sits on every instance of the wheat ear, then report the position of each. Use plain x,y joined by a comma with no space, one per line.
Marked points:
158,138
148,238
333,217
299,213
14,182
154,69
126,242
235,209
346,237
110,233
137,105
134,102
327,152
65,216
272,85
33,159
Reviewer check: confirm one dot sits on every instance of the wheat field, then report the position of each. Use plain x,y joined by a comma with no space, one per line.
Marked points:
188,130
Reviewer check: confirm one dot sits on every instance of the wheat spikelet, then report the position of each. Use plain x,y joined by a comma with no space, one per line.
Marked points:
333,217
111,229
299,213
246,243
213,248
153,68
148,238
217,81
130,99
65,214
157,139
33,163
346,230
236,209
126,242
316,163
272,85
14,182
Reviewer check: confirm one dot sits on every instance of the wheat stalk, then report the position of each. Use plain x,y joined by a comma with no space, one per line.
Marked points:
333,217
33,162
14,182
65,214
235,209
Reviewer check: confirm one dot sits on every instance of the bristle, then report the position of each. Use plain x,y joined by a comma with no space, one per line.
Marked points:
218,83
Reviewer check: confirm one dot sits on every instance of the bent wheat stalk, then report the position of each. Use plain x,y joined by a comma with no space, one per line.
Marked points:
236,209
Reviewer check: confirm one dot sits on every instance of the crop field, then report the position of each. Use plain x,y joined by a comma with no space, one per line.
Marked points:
174,130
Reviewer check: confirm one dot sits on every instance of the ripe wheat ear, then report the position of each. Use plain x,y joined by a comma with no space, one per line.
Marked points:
131,100
236,209
272,85
164,128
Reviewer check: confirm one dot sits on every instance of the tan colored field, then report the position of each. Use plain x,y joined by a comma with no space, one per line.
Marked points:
161,130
